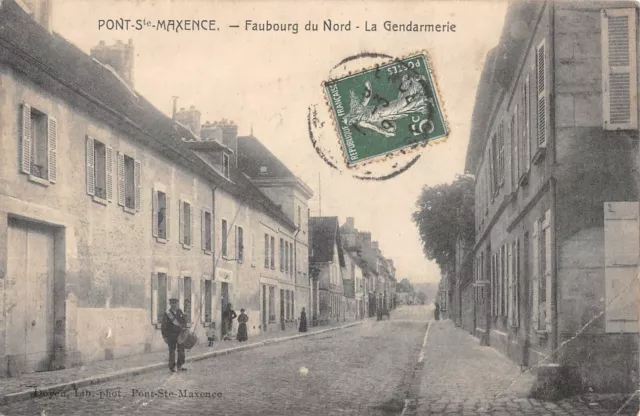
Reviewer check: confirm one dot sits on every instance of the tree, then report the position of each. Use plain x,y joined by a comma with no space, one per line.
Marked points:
405,286
422,297
444,215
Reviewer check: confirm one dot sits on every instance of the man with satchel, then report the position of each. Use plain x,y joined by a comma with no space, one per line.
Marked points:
173,322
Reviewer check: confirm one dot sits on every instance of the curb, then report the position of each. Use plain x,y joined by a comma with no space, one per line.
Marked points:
56,389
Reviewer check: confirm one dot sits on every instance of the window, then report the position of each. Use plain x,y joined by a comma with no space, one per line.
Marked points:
515,165
207,220
186,223
208,294
291,259
160,215
281,255
161,296
38,144
515,286
253,249
266,251
239,244
299,217
128,183
99,169
541,270
493,160
187,299
501,160
286,257
273,252
619,83
526,139
225,165
263,170
272,304
225,232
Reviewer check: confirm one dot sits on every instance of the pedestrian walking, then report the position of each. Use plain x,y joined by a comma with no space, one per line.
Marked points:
436,311
303,321
173,323
242,326
228,315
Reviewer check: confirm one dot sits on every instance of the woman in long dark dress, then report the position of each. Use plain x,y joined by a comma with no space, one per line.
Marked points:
436,311
242,326
303,321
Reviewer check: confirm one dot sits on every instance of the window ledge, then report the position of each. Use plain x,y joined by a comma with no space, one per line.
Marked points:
99,200
38,180
539,156
253,265
186,246
157,325
542,333
161,240
524,179
129,210
240,261
208,252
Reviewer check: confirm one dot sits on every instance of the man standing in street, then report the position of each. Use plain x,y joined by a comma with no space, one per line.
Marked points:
173,322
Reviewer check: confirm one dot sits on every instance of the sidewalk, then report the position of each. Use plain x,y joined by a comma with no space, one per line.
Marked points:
462,377
24,387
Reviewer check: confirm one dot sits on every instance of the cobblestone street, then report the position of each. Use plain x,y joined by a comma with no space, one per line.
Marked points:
371,369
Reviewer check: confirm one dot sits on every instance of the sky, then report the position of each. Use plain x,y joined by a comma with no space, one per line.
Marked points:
266,81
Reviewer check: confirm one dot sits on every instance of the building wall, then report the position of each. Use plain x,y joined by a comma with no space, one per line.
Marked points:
106,256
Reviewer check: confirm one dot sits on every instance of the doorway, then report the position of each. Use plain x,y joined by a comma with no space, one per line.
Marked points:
224,300
30,296
282,309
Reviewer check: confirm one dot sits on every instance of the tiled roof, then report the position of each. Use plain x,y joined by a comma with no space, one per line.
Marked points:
252,154
51,61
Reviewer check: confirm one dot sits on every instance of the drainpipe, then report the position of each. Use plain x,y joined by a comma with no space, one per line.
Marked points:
295,268
213,249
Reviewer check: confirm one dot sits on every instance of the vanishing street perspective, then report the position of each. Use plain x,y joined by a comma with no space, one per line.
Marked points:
155,263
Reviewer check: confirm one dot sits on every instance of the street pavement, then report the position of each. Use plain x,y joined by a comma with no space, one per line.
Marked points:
401,366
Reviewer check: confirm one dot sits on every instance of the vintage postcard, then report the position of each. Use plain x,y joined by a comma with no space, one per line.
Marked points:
319,207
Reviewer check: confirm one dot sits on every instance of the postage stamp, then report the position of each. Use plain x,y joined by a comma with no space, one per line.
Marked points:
385,109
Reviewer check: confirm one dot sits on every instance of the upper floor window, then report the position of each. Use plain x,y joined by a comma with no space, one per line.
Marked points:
266,251
160,213
207,220
239,244
225,237
273,252
186,223
38,145
99,169
281,255
128,182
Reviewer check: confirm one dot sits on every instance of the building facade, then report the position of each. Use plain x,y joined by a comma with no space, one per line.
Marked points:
554,148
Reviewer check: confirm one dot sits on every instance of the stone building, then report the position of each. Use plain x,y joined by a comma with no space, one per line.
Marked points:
108,208
554,149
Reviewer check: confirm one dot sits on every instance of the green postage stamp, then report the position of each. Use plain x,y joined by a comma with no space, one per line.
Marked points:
386,109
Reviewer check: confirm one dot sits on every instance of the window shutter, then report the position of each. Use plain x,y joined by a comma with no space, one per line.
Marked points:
167,216
52,142
203,234
136,176
25,142
191,235
154,212
541,77
619,84
621,242
202,300
154,298
515,142
109,172
120,179
535,262
509,281
181,292
180,221
516,284
91,172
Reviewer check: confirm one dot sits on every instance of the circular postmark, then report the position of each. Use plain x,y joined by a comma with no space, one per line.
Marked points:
378,111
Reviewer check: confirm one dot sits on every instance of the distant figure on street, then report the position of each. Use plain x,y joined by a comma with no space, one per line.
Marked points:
228,315
173,322
303,321
242,327
436,312
211,334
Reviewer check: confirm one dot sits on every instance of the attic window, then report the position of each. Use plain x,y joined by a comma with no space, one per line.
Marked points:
225,165
263,170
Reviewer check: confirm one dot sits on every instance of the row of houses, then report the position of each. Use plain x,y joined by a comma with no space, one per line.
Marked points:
109,208
551,277
353,278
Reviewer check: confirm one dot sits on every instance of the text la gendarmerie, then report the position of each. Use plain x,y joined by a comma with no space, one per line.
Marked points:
334,26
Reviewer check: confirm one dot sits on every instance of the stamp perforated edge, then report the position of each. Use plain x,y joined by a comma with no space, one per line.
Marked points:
405,150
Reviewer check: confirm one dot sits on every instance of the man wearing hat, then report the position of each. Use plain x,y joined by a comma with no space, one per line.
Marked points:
173,323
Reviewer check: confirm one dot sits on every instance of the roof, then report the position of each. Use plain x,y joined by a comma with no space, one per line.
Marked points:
501,68
325,235
63,69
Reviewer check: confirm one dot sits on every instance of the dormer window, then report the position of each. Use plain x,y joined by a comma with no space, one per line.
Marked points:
263,170
225,165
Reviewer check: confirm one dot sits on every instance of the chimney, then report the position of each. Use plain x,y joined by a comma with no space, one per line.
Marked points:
374,244
190,118
351,222
40,11
211,131
229,136
175,107
118,56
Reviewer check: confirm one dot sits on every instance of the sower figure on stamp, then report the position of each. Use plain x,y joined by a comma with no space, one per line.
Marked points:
173,322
